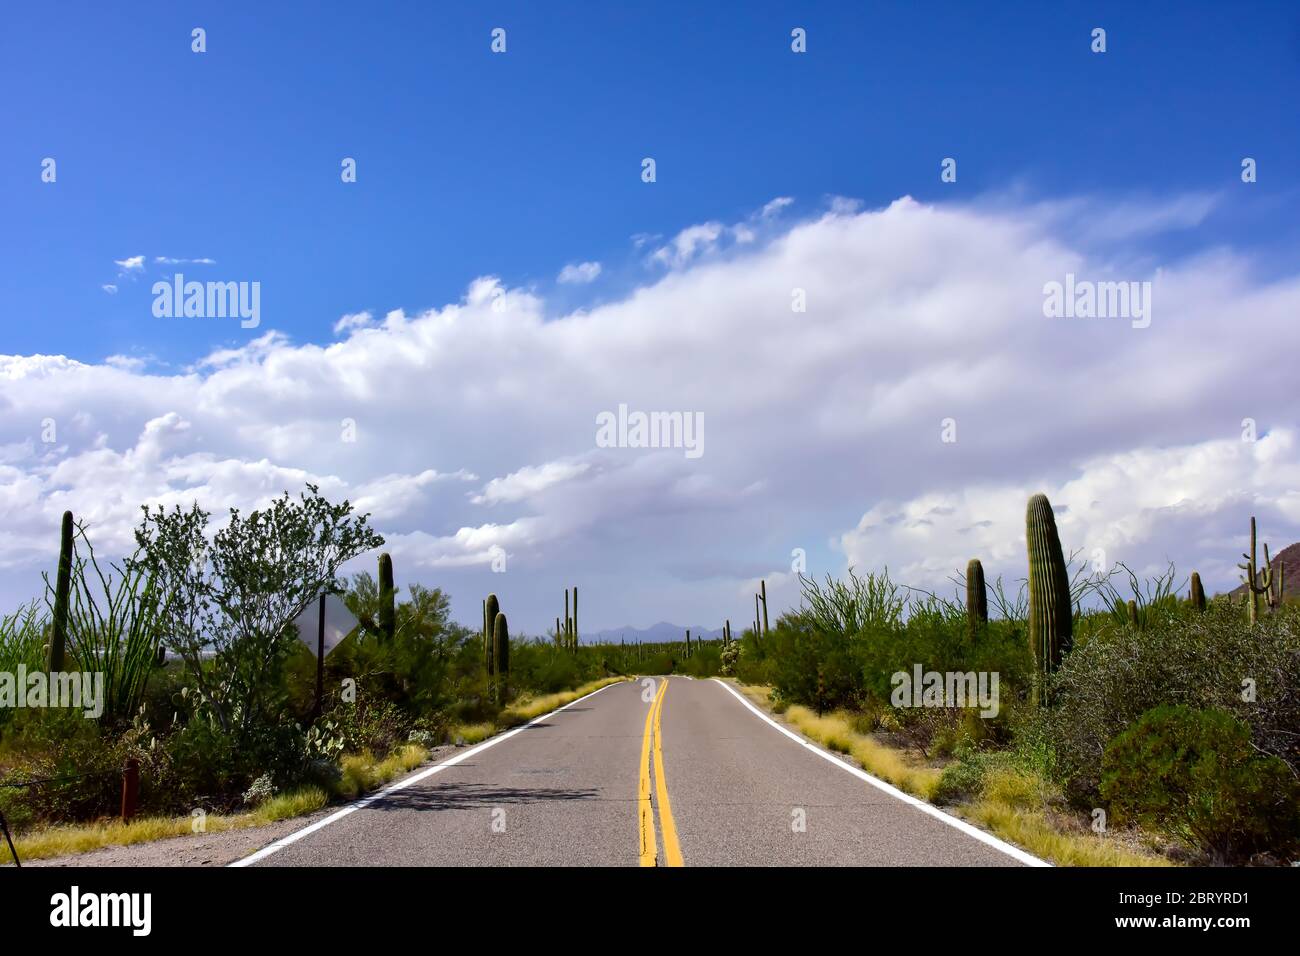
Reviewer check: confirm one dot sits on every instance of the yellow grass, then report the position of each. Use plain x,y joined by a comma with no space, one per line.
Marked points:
361,773
835,732
64,840
1012,804
525,709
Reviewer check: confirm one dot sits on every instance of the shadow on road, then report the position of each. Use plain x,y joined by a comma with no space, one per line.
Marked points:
469,796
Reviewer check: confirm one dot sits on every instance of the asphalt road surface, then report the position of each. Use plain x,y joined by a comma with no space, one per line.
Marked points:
657,772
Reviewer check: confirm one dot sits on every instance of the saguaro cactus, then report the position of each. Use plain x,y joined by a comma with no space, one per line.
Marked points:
501,654
1050,620
1258,582
491,608
1133,620
62,587
1197,595
763,588
575,619
977,598
387,597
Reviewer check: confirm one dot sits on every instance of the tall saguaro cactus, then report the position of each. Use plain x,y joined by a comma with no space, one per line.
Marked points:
1258,581
1197,594
491,608
763,588
575,619
501,653
1050,619
977,599
387,597
62,588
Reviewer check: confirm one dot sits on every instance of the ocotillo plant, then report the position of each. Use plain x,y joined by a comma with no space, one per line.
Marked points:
491,608
62,587
763,587
977,599
387,598
1050,621
1197,595
1257,581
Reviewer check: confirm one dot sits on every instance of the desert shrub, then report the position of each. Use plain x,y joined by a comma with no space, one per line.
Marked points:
1194,775
962,778
729,659
1194,660
812,666
232,597
82,762
374,725
261,790
417,669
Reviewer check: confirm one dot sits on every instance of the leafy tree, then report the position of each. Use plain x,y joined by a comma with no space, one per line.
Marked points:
234,597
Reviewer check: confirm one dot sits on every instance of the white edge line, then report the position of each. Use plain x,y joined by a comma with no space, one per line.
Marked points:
1014,852
364,802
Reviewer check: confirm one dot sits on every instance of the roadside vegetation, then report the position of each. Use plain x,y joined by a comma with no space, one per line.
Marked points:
1108,719
208,689
1147,728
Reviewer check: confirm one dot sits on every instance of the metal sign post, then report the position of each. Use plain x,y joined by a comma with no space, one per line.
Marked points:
322,628
320,660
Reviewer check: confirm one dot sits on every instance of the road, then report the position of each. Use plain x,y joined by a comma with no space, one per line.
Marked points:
658,772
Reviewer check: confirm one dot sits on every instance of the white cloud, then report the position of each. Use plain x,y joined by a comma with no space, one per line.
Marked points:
354,320
916,313
579,273
129,363
168,261
687,244
529,481
773,207
1145,506
131,264
109,288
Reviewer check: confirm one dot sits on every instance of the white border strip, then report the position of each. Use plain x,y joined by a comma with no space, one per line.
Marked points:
364,802
973,831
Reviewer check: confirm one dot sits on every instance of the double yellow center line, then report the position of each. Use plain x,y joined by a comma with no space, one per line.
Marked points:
652,740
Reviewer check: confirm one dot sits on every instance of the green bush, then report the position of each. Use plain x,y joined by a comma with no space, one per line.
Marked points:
83,762
1194,775
1197,660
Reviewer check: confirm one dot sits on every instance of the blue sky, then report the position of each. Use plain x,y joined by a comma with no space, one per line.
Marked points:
516,165
471,162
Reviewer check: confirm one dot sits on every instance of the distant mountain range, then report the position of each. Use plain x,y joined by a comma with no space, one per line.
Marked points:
660,633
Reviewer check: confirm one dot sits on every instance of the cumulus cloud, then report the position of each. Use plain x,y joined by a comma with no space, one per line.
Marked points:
354,320
773,207
687,244
169,261
825,426
129,265
579,273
